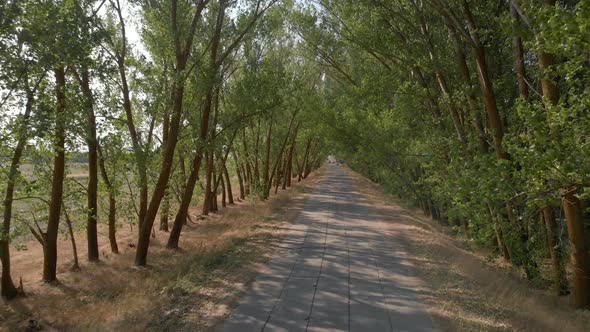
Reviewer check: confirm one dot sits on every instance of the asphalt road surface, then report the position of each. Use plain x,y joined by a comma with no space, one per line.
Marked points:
340,268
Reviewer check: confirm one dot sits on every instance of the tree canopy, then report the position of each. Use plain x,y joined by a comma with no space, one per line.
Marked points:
124,112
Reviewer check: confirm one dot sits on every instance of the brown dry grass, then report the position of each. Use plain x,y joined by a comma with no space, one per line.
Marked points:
463,291
191,289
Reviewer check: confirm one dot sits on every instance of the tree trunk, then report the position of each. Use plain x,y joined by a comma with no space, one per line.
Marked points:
164,212
187,196
486,86
496,217
208,184
442,81
555,251
280,172
7,288
519,66
165,208
572,208
305,157
280,156
256,168
59,163
239,175
289,160
266,174
76,265
230,194
182,213
92,203
214,187
112,203
183,48
477,122
223,196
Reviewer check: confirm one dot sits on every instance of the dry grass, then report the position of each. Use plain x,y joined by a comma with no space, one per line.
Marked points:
463,291
191,289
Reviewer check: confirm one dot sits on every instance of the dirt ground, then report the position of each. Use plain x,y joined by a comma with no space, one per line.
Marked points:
465,292
191,289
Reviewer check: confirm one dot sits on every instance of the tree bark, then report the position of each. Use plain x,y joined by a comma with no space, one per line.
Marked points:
519,66
164,212
112,202
187,196
239,175
59,162
486,86
572,208
223,195
92,196
230,194
208,184
181,215
305,157
7,288
76,265
266,171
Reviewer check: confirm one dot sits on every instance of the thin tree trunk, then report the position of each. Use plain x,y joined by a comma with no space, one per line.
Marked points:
477,122
181,215
208,184
214,187
165,208
112,203
486,86
92,203
59,163
289,161
223,195
266,174
499,234
256,175
239,175
305,157
165,212
519,66
230,194
281,152
76,265
7,288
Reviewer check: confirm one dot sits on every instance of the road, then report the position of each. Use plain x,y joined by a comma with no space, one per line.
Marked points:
340,268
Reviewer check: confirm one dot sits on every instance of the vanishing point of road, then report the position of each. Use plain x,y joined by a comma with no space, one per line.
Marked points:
340,268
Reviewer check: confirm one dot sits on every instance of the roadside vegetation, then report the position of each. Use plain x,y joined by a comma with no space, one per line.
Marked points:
126,113
124,122
476,112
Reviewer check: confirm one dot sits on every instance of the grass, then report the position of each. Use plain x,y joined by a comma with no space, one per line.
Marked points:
190,289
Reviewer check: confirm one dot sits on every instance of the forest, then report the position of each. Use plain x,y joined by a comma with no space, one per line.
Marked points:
130,113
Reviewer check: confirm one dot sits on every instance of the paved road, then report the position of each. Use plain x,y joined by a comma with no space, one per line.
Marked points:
339,269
